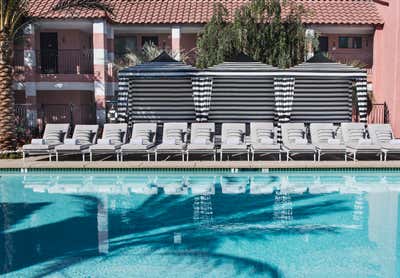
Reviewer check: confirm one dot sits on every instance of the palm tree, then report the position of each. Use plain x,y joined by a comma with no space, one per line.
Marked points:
13,17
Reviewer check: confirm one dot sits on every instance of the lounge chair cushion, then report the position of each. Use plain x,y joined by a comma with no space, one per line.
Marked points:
174,135
143,135
54,137
333,141
300,148
388,146
266,140
370,147
65,147
202,135
384,135
226,147
394,142
175,147
330,147
265,147
106,141
114,135
201,147
136,147
84,136
37,147
72,141
105,147
38,141
300,141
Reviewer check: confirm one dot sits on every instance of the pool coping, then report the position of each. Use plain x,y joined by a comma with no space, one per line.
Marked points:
34,163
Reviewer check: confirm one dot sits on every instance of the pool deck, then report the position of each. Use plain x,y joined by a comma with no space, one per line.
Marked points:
39,163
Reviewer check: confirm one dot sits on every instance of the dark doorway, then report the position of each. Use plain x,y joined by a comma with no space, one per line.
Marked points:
49,52
323,44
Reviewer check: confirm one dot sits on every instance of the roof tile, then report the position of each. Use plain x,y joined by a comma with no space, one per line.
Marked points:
200,11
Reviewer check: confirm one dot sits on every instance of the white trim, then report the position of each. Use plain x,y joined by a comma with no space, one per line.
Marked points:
30,89
63,24
344,29
156,28
99,88
64,86
176,32
99,27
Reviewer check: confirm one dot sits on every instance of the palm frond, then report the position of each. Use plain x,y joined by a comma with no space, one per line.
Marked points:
12,15
89,4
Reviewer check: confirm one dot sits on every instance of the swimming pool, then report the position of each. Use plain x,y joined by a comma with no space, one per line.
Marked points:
200,224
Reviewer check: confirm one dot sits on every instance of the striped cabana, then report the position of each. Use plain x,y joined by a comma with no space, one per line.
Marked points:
158,91
242,90
284,92
323,91
202,90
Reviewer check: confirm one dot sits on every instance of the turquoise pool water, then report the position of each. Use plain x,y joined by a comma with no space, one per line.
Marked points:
200,224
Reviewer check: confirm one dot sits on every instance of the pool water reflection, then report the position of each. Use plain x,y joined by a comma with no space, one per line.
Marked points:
216,224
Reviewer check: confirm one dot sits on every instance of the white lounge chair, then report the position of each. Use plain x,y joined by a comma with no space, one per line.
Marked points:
233,140
382,135
356,140
174,140
84,136
143,139
202,139
327,139
264,140
114,136
54,135
294,137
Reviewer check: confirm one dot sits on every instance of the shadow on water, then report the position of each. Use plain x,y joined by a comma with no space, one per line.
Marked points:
152,226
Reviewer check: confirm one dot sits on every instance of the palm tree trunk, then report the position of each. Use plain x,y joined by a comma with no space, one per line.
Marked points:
7,116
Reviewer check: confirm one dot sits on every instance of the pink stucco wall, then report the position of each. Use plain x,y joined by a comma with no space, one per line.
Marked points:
364,54
386,68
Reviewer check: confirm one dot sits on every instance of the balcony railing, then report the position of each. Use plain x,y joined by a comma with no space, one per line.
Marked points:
65,61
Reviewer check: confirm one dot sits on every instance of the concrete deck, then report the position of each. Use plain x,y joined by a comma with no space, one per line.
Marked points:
39,163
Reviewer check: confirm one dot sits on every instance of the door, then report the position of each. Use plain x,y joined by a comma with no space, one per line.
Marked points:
49,52
323,44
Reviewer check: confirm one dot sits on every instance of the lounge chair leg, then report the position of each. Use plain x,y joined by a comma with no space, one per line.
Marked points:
183,156
280,157
354,156
345,157
148,156
155,156
91,156
215,156
83,157
386,154
121,156
287,156
220,156
314,156
252,156
23,155
248,156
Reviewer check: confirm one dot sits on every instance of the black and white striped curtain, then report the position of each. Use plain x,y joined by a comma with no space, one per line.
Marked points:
284,93
362,98
202,90
122,101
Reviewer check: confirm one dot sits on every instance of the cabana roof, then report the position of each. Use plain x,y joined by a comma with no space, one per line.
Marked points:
322,65
163,65
241,64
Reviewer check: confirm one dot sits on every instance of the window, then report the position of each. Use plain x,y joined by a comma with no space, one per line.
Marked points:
125,45
343,42
357,42
150,40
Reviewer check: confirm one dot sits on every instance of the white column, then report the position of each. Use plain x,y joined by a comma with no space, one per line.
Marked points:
30,74
100,68
176,42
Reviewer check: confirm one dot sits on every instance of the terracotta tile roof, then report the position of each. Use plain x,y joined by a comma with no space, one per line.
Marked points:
200,11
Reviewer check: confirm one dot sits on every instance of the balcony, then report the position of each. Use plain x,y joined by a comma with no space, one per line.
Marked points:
65,61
